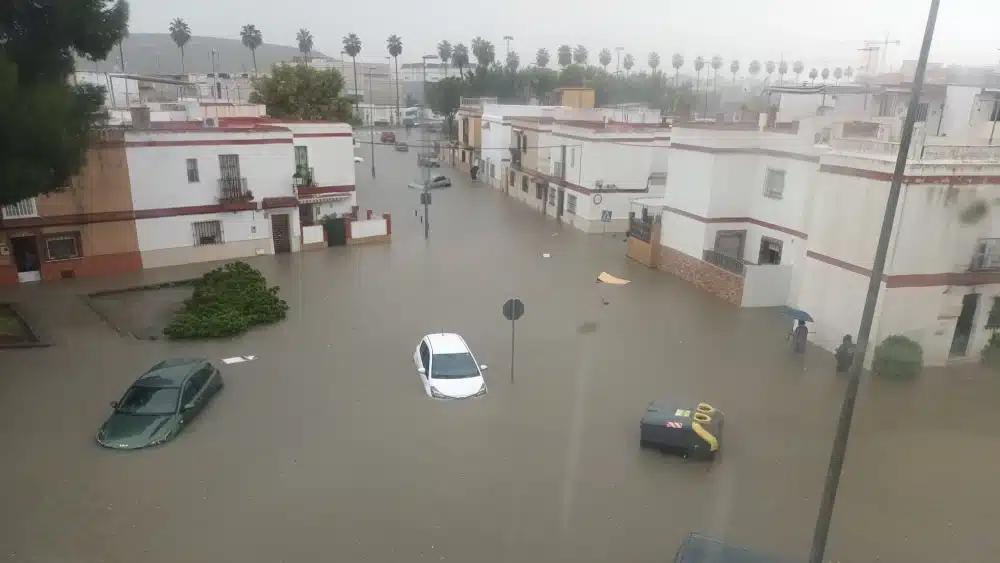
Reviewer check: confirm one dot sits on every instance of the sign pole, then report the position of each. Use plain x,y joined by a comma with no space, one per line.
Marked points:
512,351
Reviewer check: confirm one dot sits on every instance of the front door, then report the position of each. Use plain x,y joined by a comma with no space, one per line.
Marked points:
963,326
29,265
279,233
559,204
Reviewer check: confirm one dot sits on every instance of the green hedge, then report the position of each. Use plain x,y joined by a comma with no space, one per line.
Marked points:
898,357
227,301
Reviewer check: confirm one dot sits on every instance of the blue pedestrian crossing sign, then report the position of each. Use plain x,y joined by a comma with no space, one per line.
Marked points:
605,216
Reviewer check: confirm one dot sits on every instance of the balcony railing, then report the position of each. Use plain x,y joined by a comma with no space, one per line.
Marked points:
303,176
726,262
234,189
557,170
21,209
515,157
476,102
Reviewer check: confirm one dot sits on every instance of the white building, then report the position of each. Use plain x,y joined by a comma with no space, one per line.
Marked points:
431,72
778,213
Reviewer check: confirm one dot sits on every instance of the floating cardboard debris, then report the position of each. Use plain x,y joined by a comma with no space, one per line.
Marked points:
238,359
605,277
546,255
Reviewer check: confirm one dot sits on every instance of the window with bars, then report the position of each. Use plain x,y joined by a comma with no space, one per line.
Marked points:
539,191
62,246
301,157
524,184
229,166
774,183
207,232
571,204
922,112
192,171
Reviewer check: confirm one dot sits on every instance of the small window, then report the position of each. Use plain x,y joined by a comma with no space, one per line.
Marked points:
524,144
774,183
192,170
463,156
63,246
572,157
539,191
995,109
195,384
425,354
552,197
207,232
510,178
922,112
524,184
993,320
571,204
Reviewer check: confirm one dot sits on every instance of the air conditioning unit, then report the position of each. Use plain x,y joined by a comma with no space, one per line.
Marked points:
211,122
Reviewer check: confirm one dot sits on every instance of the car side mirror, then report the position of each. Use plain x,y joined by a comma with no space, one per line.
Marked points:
484,367
421,371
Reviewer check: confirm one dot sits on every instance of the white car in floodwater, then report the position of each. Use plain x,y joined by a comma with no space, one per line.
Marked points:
447,368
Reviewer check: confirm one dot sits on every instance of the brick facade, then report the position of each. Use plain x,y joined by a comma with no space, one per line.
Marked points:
711,278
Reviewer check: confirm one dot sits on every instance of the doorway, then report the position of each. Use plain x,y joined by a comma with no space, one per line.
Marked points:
279,233
730,243
25,251
963,326
770,251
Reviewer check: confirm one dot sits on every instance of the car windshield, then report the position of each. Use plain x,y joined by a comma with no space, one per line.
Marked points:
454,366
149,400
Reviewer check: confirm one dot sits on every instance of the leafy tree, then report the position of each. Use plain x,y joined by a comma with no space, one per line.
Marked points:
654,61
484,52
352,46
782,71
395,47
45,120
849,72
580,55
716,65
677,61
699,64
754,68
813,73
797,68
302,92
445,95
628,63
564,56
769,67
838,73
513,61
305,40
825,74
542,57
460,58
604,57
180,33
252,38
734,67
444,52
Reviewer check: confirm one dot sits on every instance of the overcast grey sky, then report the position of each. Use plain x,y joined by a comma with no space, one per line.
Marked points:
819,33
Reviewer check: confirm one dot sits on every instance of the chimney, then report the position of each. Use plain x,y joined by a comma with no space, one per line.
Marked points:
140,117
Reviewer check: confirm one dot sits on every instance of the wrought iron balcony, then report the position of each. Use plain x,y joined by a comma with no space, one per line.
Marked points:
234,189
303,177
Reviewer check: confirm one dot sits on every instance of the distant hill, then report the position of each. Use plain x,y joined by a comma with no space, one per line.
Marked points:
156,53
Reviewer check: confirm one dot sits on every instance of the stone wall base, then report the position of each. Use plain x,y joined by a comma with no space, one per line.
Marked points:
711,278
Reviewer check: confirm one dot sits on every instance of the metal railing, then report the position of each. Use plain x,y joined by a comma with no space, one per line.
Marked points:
557,170
21,209
304,176
726,262
234,189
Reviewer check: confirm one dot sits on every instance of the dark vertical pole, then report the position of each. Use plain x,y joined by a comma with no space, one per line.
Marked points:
371,115
427,171
512,347
839,451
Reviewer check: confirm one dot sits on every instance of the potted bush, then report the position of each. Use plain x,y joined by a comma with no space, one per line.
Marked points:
898,357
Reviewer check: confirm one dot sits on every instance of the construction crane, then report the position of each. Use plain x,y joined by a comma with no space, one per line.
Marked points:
879,47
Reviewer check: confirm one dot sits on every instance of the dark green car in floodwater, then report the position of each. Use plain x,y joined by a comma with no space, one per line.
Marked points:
158,406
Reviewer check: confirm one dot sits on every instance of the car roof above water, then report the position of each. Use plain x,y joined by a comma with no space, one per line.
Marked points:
171,373
701,549
447,343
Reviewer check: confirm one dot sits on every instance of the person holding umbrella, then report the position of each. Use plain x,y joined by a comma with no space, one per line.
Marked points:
800,335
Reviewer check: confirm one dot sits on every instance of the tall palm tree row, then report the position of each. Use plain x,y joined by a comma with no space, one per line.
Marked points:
628,62
654,61
352,47
580,55
180,33
564,56
769,67
305,40
734,67
604,57
395,47
513,61
677,61
444,52
542,57
754,68
252,38
716,65
797,68
782,71
460,57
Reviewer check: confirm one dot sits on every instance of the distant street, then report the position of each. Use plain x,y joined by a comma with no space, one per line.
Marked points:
326,449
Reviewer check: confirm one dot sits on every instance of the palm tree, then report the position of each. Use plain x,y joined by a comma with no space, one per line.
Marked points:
716,65
838,73
604,57
444,51
252,39
513,61
849,72
654,61
813,73
460,58
782,71
677,61
825,74
483,51
699,63
734,67
352,46
542,57
797,68
181,34
628,62
769,68
580,55
754,68
395,47
564,56
305,40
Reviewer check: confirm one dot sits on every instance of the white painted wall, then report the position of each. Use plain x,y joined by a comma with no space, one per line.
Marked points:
366,228
331,158
960,109
312,234
176,232
496,138
766,286
158,174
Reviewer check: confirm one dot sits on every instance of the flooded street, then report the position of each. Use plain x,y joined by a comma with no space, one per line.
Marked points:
325,447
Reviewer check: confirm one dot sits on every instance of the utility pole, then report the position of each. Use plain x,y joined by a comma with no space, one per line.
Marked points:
215,76
371,117
121,55
839,450
423,142
618,60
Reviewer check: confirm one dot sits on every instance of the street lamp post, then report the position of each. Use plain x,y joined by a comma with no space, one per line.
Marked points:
423,142
507,39
822,530
215,76
618,60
